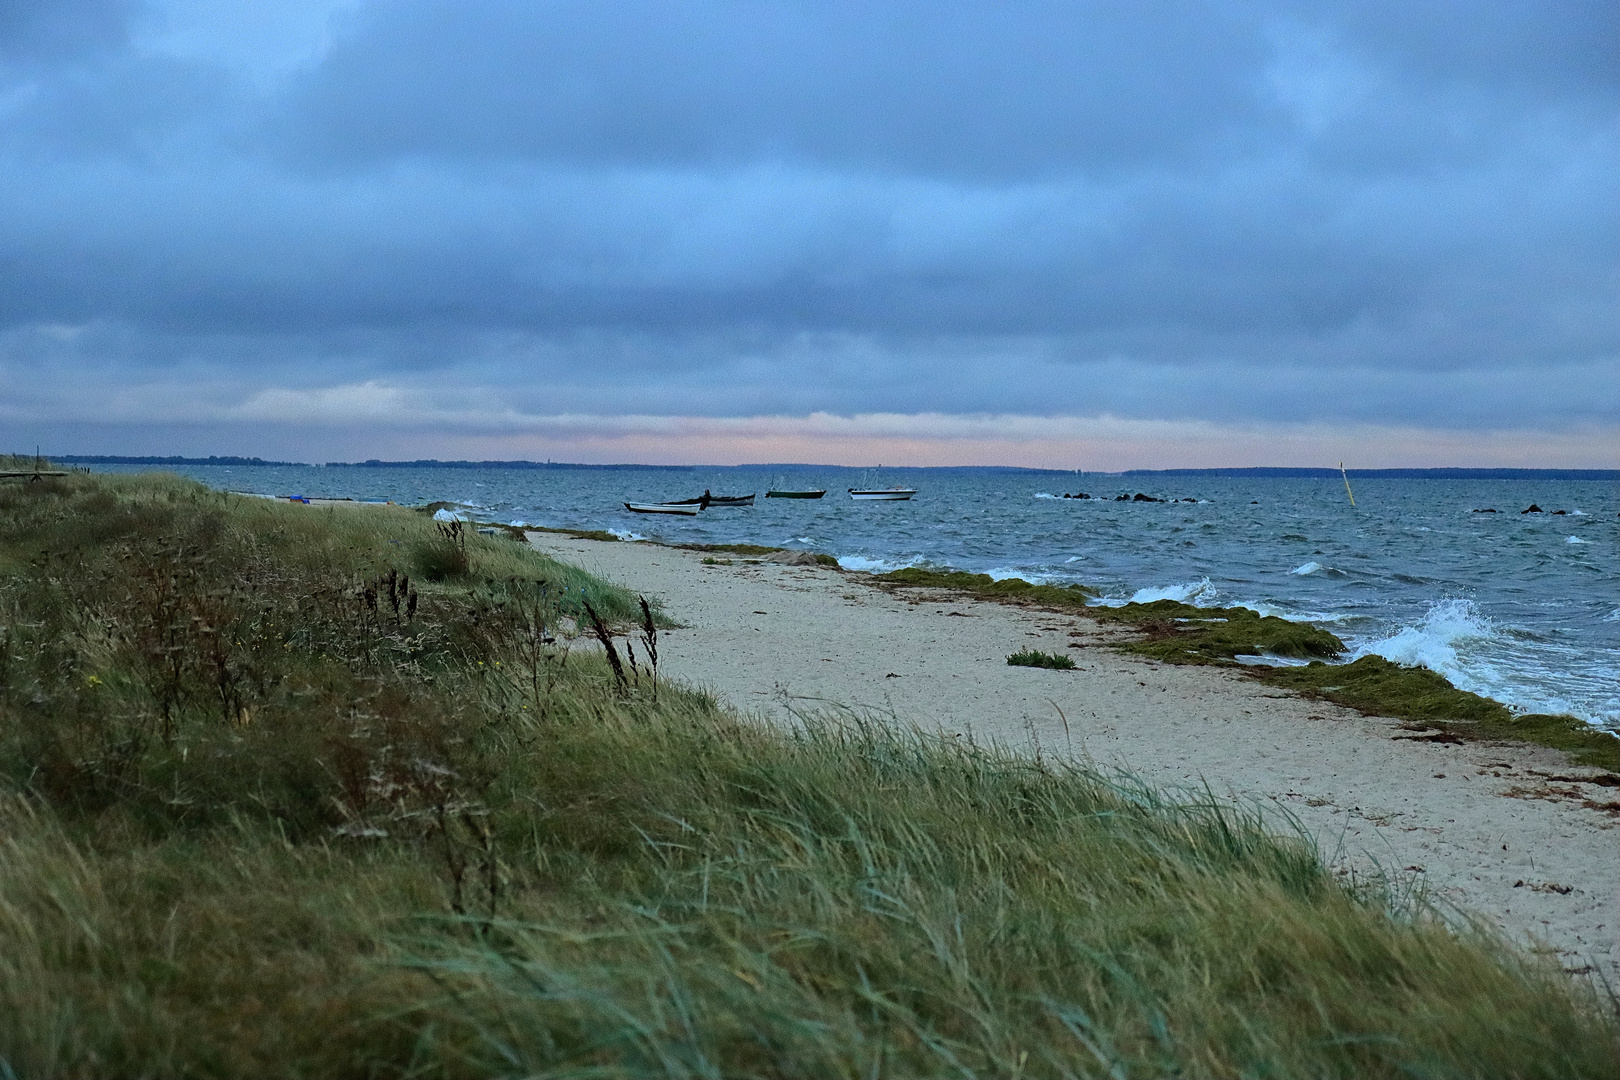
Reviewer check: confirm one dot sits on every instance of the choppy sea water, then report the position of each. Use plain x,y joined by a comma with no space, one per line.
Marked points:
1523,608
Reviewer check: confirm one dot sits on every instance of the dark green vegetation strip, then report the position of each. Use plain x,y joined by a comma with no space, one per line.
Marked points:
579,534
1178,633
1430,703
755,550
1016,589
1036,658
257,822
1183,634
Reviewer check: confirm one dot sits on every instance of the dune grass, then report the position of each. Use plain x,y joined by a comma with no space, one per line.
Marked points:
255,822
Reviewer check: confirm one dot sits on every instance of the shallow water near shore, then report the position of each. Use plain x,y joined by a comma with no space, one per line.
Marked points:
1522,608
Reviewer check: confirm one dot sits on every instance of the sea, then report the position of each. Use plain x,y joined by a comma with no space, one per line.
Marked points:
1520,607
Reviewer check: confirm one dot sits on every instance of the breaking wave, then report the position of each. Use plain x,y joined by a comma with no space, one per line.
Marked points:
869,565
1200,593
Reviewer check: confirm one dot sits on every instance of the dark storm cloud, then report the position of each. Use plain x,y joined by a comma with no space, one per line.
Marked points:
1287,211
941,89
45,31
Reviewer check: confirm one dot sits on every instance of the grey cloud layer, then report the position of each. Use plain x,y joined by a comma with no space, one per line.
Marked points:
1189,209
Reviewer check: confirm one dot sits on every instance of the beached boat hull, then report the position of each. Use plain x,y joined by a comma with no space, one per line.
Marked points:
794,494
661,508
882,494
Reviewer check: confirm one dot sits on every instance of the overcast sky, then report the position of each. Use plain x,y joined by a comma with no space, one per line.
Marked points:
1097,235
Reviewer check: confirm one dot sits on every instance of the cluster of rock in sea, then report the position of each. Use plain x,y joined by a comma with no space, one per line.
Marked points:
1531,509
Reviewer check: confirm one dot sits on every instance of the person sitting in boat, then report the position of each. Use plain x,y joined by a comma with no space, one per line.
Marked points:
703,503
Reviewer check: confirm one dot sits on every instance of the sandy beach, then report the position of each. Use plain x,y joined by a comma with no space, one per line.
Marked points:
1513,834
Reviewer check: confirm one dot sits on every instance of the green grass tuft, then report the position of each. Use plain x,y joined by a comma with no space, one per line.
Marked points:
1036,658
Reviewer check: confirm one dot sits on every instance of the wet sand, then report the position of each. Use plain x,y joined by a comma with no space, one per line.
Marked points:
1510,833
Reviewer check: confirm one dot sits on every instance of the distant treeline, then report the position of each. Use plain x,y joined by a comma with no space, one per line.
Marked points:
1393,474
120,459
433,463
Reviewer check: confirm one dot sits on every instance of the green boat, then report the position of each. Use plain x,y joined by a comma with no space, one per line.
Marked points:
794,494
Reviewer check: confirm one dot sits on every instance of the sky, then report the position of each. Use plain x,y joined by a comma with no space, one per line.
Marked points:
1063,234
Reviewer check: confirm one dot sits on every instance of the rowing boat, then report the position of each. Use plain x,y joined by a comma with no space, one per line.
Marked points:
683,509
714,500
794,494
894,494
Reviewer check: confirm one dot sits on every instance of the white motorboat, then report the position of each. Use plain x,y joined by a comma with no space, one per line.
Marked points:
893,494
683,509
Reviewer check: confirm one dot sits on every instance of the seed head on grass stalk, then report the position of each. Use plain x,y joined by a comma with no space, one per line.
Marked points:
602,635
649,638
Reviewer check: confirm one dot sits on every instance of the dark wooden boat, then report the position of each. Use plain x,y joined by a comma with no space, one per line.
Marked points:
794,494
714,500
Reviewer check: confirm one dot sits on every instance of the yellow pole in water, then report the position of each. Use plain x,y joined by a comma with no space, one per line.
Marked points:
1347,490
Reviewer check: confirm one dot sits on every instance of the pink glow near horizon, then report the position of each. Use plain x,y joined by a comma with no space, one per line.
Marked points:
1164,446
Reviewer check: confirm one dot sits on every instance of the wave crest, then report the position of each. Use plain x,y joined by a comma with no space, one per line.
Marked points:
1200,593
1433,642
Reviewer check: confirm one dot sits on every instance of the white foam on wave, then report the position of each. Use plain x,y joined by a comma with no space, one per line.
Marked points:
1576,540
1188,592
626,534
1044,495
869,565
1308,568
1294,614
1074,558
1002,573
1200,593
442,514
1474,654
1433,642
1613,616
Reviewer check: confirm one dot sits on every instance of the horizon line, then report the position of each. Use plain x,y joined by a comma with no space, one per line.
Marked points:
1253,471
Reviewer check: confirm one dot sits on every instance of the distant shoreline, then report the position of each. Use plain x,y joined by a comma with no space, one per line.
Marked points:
1256,472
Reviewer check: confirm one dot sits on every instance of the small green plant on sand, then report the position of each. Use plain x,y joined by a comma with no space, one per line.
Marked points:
1036,658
